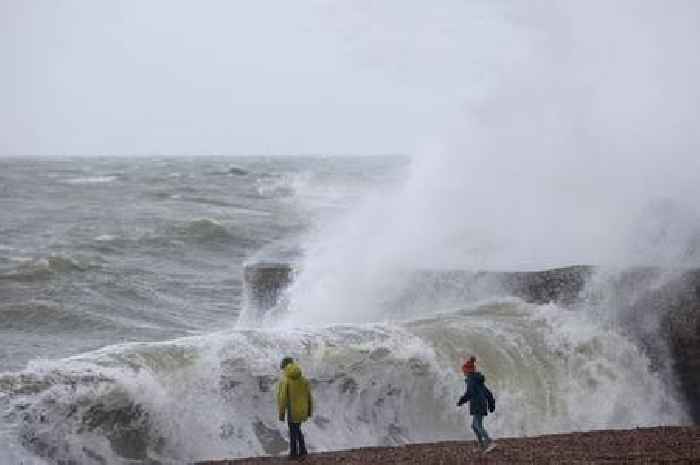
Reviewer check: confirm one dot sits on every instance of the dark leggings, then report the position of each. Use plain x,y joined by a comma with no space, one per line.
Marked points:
296,440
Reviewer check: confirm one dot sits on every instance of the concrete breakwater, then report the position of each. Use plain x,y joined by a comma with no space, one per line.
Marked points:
659,309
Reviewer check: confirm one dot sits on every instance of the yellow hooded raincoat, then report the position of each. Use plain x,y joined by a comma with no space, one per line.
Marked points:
294,395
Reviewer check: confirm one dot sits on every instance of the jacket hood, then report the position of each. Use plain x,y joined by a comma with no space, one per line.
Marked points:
477,377
292,371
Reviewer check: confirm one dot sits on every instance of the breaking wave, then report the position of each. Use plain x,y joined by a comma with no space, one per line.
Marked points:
49,316
92,180
29,269
552,370
203,232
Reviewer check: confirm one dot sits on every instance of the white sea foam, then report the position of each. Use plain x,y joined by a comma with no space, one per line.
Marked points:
375,384
92,180
105,237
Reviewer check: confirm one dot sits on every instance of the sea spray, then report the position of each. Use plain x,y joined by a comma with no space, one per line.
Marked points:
552,370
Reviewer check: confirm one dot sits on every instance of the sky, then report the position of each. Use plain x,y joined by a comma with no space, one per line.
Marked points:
319,76
231,77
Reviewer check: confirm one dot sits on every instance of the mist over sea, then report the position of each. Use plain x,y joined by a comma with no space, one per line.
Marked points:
121,285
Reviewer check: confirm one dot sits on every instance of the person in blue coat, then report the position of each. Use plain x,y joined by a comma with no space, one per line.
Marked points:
481,402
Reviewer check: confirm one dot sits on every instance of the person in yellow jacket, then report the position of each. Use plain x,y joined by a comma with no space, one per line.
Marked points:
294,401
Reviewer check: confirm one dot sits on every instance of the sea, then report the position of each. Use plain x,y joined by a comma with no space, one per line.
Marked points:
128,335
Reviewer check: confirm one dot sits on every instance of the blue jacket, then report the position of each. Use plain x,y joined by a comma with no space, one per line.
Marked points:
480,399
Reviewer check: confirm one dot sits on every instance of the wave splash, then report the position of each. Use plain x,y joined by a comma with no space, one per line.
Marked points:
376,384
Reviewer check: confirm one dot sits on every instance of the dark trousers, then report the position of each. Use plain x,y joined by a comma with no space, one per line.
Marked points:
478,427
296,440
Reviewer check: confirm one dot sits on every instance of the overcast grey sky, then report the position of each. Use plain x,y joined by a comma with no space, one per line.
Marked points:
318,76
143,77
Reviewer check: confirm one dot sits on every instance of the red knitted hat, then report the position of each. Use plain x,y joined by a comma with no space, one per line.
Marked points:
470,365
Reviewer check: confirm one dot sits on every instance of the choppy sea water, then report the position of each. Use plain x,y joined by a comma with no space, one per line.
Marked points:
102,251
120,291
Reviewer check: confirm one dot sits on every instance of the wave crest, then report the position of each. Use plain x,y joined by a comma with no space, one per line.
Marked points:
378,384
30,269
